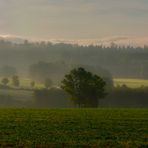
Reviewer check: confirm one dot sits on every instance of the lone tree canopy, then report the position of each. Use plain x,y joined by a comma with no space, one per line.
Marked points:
84,87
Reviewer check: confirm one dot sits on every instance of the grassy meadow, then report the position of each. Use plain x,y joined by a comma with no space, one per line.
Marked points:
73,128
131,83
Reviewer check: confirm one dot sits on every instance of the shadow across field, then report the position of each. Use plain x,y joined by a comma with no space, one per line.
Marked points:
57,98
126,97
16,98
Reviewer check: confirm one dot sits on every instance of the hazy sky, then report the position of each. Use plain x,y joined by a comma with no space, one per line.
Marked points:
74,19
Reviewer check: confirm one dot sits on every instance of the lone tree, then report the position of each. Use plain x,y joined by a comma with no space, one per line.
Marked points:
15,81
5,81
84,87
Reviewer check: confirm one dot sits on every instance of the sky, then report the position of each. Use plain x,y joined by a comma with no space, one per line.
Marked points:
74,19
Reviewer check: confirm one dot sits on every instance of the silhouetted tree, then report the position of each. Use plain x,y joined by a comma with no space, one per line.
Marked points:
84,87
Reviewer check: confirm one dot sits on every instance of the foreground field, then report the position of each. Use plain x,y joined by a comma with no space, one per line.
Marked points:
73,127
132,83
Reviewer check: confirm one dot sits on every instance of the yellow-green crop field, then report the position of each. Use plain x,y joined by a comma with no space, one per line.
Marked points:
74,128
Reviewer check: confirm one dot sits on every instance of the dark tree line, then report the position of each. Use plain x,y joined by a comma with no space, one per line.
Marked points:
120,61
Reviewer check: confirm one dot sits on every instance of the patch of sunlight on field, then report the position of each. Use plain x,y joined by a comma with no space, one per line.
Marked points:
132,83
25,83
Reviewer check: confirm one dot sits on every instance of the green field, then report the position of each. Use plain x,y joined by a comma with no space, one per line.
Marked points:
74,128
132,83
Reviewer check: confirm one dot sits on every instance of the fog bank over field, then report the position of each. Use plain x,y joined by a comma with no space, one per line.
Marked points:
107,41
